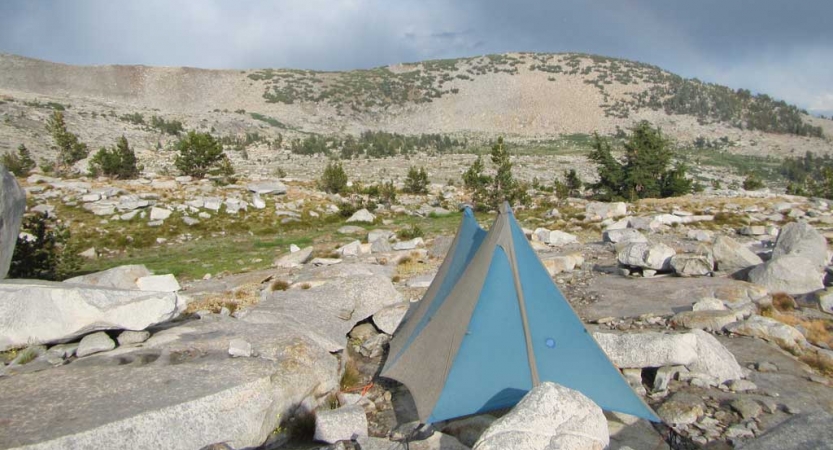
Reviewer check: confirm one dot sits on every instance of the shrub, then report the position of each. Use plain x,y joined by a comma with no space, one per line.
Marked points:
334,179
280,285
417,181
198,153
119,162
752,182
42,251
387,193
173,127
411,232
19,164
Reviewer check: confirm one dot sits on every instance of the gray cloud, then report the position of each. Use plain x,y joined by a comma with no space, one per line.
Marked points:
773,46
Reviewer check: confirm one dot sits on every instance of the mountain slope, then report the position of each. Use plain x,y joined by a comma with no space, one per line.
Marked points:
525,95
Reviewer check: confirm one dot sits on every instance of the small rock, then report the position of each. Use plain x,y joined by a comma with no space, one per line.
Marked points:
766,366
747,408
133,337
239,348
741,385
362,215
342,424
94,343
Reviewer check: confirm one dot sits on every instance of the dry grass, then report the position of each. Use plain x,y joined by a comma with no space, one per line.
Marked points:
783,302
244,296
279,285
817,330
820,363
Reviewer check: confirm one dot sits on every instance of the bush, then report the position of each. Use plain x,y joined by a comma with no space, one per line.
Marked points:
752,182
19,164
644,173
410,233
334,179
42,251
173,127
387,193
489,192
417,181
118,162
198,153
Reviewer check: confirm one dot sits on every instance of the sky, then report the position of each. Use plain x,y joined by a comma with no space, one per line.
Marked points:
783,48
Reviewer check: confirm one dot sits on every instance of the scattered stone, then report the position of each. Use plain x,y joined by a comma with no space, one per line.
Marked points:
647,255
766,366
731,256
700,235
362,215
801,239
351,249
709,320
388,319
469,430
421,281
747,408
771,330
94,343
664,375
692,265
794,275
741,385
240,348
709,304
159,213
294,259
561,264
549,416
373,347
363,332
601,210
190,221
158,283
825,299
375,235
257,201
409,245
623,235
133,337
342,424
350,229
714,360
753,230
681,409
650,349
555,238
267,187
89,253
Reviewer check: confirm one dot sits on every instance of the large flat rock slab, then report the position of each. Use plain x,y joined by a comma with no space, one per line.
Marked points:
631,297
48,312
181,390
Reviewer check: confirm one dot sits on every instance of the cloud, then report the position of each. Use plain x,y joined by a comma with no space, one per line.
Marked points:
773,46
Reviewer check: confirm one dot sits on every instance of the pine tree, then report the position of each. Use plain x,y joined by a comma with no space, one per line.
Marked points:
417,181
198,153
119,162
70,149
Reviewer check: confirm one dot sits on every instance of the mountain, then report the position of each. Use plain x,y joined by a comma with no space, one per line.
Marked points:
521,95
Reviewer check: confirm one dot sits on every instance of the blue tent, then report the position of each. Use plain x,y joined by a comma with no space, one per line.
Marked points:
491,326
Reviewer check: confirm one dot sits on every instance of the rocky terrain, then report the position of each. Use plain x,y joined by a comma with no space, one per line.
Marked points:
257,314
243,353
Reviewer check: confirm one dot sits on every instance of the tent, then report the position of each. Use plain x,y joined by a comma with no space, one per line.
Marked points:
491,326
